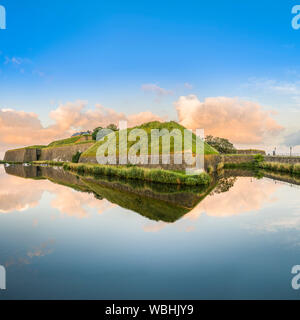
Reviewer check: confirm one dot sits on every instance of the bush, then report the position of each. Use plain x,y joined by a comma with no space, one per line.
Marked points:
258,158
76,156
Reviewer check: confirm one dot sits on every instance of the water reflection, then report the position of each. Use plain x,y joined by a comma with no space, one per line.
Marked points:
23,194
233,192
28,257
157,202
64,236
243,195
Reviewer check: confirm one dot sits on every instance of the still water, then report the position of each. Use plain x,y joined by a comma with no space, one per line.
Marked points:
68,237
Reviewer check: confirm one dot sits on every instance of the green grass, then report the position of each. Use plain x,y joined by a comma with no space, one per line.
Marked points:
30,147
243,165
239,155
152,175
56,144
281,167
67,142
91,152
250,150
49,162
272,166
36,147
11,162
64,142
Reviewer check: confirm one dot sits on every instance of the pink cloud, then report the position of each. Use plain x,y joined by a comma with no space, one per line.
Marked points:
237,120
19,128
22,194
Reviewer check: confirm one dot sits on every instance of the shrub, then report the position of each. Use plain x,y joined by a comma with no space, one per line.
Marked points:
76,156
258,158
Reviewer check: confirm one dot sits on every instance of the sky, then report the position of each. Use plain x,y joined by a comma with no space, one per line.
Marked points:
230,67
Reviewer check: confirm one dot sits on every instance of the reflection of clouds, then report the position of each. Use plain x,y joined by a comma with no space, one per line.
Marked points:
247,194
17,194
42,250
160,225
75,204
20,194
283,223
155,227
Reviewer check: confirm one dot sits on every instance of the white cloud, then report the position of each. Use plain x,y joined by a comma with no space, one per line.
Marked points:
188,85
153,88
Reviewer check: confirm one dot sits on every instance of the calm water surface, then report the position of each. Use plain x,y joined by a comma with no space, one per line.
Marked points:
68,237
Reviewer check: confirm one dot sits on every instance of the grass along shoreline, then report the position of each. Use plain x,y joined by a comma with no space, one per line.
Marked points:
140,173
280,167
269,166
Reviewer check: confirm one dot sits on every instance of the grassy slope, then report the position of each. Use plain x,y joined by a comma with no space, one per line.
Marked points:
57,143
91,152
68,141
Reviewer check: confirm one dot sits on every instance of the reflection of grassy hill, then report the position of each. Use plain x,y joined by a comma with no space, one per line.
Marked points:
91,152
155,201
168,206
148,207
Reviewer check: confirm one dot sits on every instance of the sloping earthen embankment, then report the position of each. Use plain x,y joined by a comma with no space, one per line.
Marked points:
64,153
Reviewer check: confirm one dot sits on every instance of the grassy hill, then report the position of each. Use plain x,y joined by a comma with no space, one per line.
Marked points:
91,152
57,143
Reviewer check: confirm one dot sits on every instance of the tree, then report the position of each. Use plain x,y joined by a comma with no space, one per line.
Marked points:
112,127
220,144
95,131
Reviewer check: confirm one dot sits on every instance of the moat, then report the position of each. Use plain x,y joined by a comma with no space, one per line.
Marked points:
67,236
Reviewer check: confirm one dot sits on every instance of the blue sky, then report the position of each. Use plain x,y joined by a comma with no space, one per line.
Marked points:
105,51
